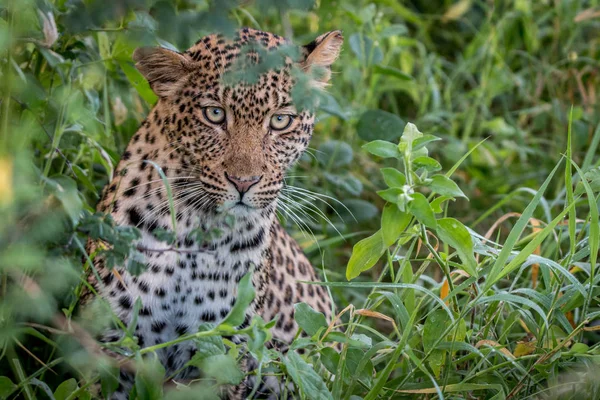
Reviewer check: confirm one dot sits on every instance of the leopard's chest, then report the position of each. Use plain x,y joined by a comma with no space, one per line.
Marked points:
179,290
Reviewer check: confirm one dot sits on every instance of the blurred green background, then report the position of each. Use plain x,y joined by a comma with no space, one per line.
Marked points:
509,71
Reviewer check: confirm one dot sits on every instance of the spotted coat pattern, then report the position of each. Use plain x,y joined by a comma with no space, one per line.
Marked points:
194,280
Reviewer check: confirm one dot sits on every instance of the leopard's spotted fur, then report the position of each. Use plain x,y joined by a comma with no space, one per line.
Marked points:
192,282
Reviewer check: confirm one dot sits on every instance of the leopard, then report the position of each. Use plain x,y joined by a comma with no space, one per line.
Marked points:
212,155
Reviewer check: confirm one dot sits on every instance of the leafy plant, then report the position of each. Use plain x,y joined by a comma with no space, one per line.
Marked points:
494,297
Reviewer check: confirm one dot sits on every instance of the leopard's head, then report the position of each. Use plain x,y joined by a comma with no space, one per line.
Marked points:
228,112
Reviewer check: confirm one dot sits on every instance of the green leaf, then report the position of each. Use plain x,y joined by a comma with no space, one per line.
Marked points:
365,254
353,358
223,368
436,204
6,387
455,234
393,177
109,379
420,208
330,359
82,177
245,295
207,346
65,190
334,153
361,210
592,178
394,30
365,49
104,46
391,71
379,124
65,389
138,81
428,163
149,379
435,326
410,134
347,181
393,223
422,141
383,149
391,194
330,105
445,186
307,380
308,319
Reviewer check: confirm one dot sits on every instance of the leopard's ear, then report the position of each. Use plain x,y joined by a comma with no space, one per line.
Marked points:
162,68
321,53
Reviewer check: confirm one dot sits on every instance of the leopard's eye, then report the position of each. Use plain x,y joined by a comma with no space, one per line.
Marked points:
280,122
216,115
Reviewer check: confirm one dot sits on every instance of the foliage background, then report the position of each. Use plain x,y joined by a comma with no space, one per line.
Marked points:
514,72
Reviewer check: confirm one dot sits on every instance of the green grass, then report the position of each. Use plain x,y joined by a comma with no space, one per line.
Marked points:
476,280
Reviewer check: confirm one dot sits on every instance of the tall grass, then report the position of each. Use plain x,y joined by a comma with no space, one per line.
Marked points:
480,282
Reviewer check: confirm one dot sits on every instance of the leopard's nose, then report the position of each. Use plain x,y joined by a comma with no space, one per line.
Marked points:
243,183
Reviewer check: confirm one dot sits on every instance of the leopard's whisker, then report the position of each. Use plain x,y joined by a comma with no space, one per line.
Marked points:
303,205
320,197
298,221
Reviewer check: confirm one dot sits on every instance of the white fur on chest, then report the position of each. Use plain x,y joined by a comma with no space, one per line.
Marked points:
186,284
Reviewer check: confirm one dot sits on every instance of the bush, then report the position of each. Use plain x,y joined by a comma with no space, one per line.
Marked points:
478,282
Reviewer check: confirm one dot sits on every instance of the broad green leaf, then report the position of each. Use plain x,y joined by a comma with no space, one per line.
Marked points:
207,346
422,141
455,234
334,153
307,380
6,387
382,148
391,71
308,319
365,254
356,208
330,105
245,295
65,389
393,223
379,124
392,194
223,368
330,359
420,208
353,359
445,186
428,163
435,326
393,177
347,181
